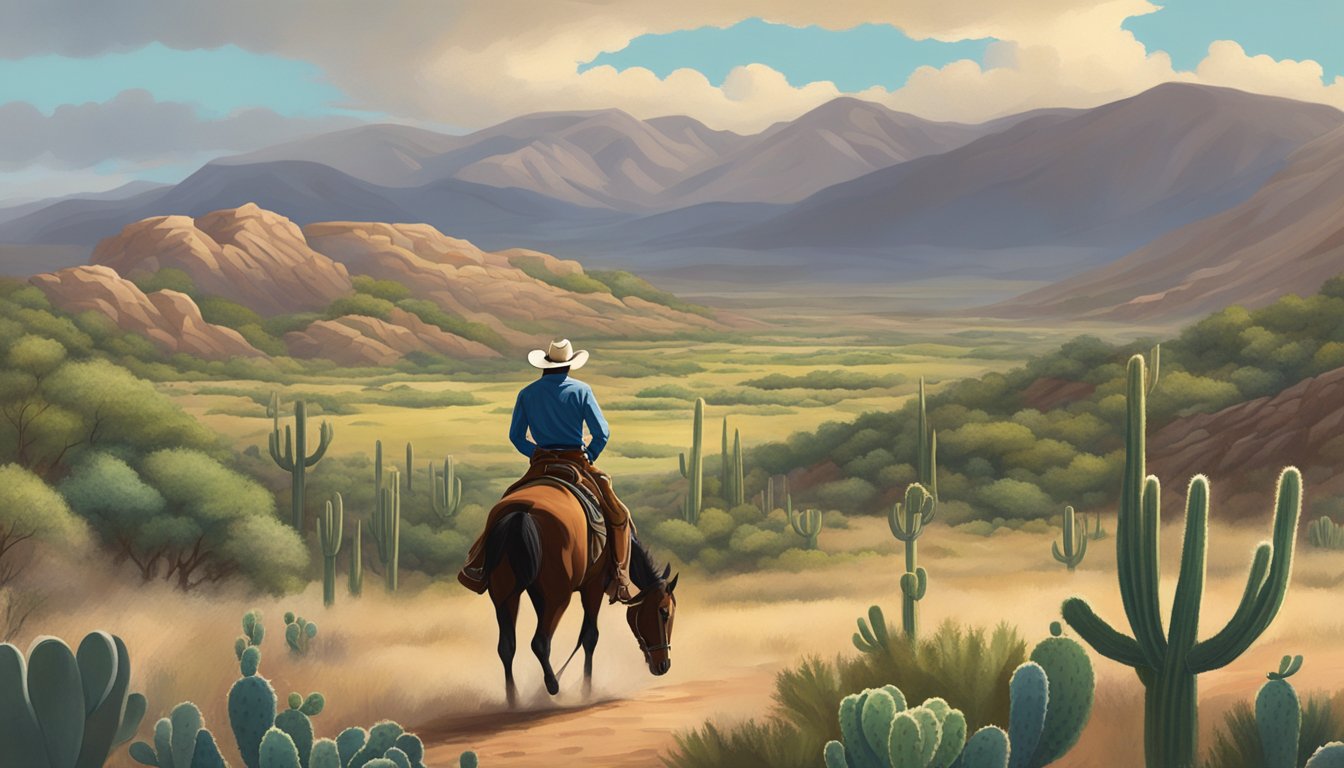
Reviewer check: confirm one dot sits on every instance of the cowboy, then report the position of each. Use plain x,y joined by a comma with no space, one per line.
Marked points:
554,409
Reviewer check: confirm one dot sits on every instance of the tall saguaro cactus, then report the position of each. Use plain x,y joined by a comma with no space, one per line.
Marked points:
386,528
693,469
1168,662
330,533
294,457
926,450
1075,541
731,473
410,467
445,490
357,560
907,523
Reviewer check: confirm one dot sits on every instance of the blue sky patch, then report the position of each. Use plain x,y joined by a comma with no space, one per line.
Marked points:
1283,29
219,80
853,59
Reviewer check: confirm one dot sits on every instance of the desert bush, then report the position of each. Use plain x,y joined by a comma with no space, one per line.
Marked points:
970,668
360,304
32,511
169,278
833,379
387,290
623,284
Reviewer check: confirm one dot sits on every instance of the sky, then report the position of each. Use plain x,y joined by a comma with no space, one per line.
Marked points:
94,95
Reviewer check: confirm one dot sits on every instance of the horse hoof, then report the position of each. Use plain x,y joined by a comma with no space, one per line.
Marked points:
553,687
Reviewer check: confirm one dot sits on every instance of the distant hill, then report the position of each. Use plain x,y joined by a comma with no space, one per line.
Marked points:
248,282
1287,238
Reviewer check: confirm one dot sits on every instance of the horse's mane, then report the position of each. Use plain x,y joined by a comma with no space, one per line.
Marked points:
643,570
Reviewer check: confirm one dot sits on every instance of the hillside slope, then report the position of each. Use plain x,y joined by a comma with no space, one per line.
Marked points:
1287,238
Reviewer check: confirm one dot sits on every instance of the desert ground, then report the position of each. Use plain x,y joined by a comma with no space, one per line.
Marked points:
427,655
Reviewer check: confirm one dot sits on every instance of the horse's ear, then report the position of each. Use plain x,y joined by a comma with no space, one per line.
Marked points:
667,571
671,585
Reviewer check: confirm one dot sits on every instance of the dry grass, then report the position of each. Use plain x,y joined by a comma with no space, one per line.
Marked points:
429,653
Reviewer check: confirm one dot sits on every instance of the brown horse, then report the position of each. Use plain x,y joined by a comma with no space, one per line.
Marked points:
538,544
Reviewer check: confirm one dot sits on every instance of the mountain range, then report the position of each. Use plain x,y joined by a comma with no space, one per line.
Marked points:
1089,200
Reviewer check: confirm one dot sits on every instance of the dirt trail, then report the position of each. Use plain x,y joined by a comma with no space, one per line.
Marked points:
632,731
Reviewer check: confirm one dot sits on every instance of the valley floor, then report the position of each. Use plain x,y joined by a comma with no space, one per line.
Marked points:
426,657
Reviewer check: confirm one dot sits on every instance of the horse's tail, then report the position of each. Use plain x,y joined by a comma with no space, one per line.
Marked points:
515,536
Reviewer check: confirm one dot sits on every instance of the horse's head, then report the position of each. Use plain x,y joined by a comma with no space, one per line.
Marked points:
650,616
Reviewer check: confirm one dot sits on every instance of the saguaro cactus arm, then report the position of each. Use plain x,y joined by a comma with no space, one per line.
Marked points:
1266,586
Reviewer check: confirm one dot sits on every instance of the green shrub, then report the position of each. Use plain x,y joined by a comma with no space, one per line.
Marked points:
360,304
535,268
431,313
623,284
837,379
969,668
168,278
387,290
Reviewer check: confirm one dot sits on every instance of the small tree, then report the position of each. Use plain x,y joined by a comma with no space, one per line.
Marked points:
120,507
31,510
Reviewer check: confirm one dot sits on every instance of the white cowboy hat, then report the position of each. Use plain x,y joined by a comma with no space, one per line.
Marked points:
560,354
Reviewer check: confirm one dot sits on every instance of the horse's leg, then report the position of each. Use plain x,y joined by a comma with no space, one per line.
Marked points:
549,612
506,614
591,595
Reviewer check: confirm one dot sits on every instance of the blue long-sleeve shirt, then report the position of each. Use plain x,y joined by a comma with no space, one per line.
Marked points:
555,408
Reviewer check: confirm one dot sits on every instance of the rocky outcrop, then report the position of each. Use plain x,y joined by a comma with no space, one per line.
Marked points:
1047,393
168,318
490,287
1243,447
252,256
363,340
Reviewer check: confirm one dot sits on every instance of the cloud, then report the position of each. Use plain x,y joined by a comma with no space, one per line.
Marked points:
134,129
472,63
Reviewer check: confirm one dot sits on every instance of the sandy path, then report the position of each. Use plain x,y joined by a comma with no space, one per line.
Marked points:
613,732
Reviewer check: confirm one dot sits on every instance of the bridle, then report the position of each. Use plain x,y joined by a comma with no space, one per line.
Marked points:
644,646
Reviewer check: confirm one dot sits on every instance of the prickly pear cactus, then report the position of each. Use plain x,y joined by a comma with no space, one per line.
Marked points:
325,754
382,737
299,633
251,708
66,709
1278,716
350,742
1072,685
1329,756
296,723
1029,692
988,748
278,750
468,760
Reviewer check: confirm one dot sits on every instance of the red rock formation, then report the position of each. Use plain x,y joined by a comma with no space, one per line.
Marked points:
168,318
252,256
1243,447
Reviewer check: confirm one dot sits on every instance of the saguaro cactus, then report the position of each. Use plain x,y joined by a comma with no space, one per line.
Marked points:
357,560
1169,662
806,523
693,469
731,474
386,529
1075,542
907,523
330,534
410,467
445,490
926,450
294,458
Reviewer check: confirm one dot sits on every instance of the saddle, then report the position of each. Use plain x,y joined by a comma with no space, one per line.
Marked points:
566,477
